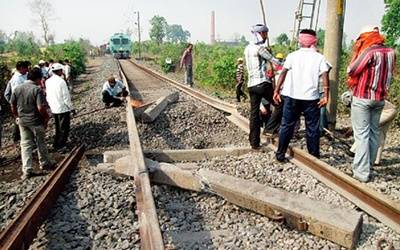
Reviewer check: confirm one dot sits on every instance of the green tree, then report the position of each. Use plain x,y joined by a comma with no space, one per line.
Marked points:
176,34
158,28
282,39
321,38
3,41
391,22
243,41
72,50
24,44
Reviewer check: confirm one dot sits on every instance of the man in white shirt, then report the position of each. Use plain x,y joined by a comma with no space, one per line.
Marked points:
59,100
18,78
300,78
44,69
113,92
67,73
258,61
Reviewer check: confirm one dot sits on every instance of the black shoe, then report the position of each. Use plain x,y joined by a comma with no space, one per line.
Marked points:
282,159
107,106
115,105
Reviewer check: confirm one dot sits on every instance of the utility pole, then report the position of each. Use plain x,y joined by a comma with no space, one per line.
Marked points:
138,24
263,12
264,18
332,52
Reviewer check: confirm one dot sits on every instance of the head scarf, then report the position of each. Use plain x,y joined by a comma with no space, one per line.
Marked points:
256,30
364,41
307,40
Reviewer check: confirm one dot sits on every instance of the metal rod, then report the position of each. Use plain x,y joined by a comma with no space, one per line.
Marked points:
20,233
264,18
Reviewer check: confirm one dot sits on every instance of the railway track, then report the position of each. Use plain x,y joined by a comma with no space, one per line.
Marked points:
377,205
158,219
20,233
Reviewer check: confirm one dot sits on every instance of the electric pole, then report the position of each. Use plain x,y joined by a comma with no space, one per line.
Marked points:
264,18
138,24
332,52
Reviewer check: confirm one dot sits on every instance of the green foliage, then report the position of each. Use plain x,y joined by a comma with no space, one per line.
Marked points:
394,91
171,51
243,42
5,75
391,22
321,38
279,48
72,50
216,65
176,34
24,44
282,39
158,28
3,41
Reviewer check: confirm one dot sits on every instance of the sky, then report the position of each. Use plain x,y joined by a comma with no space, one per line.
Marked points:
97,20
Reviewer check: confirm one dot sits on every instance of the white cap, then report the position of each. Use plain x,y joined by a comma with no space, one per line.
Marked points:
56,66
42,62
369,28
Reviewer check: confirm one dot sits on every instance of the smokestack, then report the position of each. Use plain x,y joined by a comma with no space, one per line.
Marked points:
212,40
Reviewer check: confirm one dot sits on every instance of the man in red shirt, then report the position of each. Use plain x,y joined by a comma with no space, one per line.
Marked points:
370,74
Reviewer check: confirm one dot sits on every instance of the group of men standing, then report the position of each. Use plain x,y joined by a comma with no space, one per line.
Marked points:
299,89
31,92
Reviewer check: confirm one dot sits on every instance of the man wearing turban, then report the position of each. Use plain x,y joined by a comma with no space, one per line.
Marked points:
370,73
260,85
300,92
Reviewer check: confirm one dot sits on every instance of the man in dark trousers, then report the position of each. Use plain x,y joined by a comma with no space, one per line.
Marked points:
258,61
187,60
18,78
300,79
240,80
59,100
29,108
113,92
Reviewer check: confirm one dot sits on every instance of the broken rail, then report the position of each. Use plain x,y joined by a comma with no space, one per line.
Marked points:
376,204
22,230
149,228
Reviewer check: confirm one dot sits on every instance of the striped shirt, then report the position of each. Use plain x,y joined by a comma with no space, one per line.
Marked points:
240,73
257,57
374,69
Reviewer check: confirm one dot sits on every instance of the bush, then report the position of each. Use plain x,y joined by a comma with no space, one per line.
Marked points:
71,50
172,51
216,65
5,75
394,91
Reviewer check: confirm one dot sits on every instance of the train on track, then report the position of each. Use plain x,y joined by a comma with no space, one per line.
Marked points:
120,46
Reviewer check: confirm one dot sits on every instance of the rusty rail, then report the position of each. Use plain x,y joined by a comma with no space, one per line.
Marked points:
378,205
149,228
20,233
218,104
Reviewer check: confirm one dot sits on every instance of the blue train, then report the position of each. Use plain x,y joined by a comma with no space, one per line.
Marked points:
120,45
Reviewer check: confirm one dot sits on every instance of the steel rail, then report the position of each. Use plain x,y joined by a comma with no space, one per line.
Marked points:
149,228
378,205
218,104
22,230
